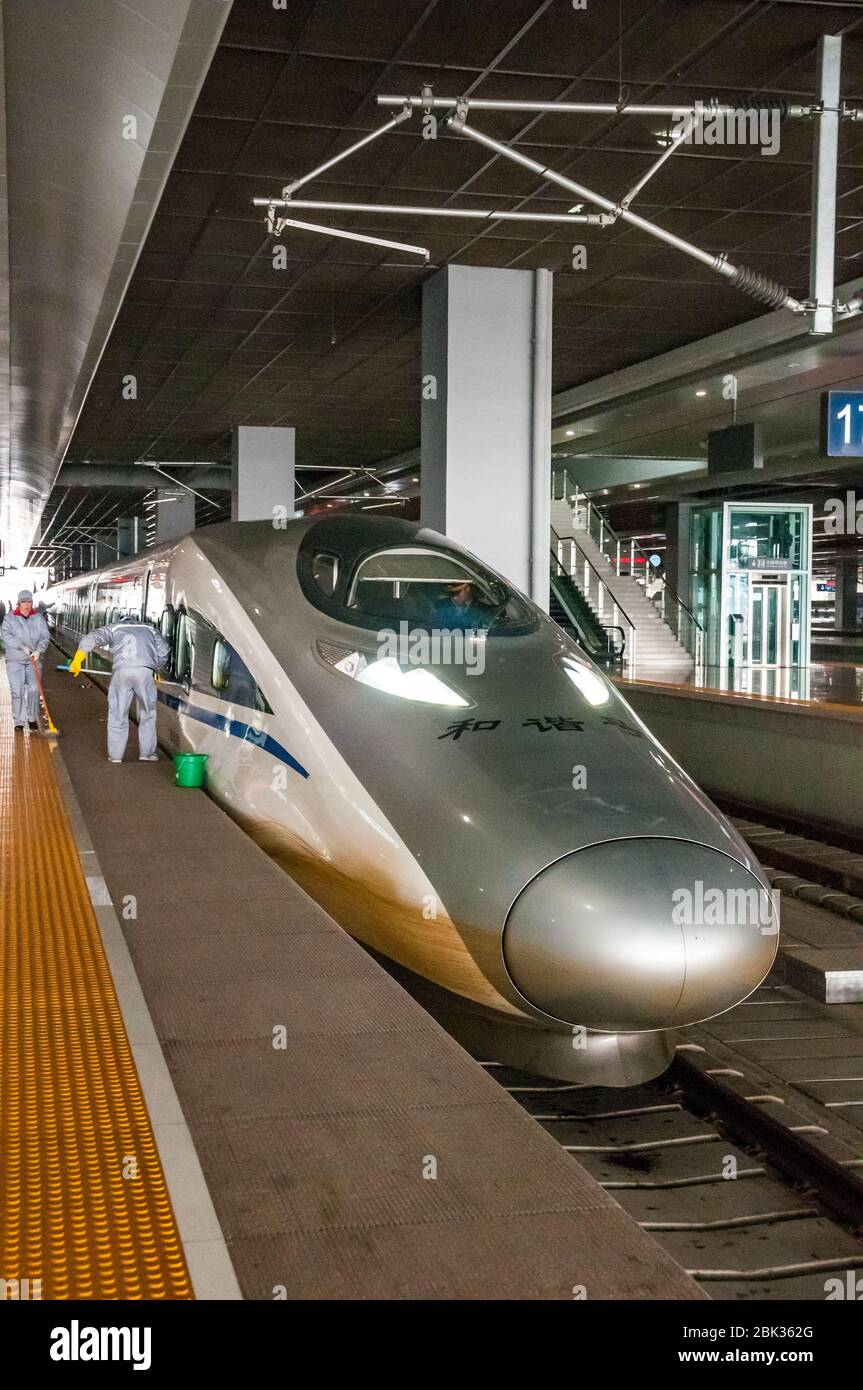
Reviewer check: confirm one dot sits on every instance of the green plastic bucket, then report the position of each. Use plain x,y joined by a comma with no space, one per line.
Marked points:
190,769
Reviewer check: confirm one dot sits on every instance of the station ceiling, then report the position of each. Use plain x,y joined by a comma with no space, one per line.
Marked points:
216,336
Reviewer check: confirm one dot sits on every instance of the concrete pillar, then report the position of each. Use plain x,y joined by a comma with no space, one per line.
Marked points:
486,417
104,552
263,481
129,537
175,514
677,562
847,564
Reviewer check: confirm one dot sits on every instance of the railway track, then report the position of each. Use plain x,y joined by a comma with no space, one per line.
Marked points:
755,1196
829,875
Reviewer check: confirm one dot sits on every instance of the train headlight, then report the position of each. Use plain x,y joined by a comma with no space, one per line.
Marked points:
588,683
417,684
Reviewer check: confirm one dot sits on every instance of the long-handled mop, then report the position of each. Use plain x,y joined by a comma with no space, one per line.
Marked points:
52,731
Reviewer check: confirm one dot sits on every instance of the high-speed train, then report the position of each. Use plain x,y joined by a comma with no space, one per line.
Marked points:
453,779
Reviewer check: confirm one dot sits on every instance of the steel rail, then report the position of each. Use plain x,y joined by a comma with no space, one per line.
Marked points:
791,1153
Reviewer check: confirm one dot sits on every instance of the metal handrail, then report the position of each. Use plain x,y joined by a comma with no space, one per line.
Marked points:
618,611
607,534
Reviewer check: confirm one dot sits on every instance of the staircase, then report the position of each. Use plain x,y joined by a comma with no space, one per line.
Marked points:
657,649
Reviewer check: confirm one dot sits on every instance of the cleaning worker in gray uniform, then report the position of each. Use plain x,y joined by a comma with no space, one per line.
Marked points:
138,651
25,635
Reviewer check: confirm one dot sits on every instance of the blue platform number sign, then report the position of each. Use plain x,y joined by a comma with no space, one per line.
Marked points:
842,424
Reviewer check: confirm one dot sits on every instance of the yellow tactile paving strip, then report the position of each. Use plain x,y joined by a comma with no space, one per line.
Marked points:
83,1203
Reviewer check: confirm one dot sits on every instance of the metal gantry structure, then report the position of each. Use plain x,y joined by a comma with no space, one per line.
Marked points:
73,543
826,113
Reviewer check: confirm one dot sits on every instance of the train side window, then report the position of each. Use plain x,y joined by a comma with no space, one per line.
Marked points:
156,592
203,639
166,627
325,571
221,665
232,680
128,597
184,649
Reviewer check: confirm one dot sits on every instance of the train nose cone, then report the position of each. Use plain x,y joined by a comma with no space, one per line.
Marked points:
640,934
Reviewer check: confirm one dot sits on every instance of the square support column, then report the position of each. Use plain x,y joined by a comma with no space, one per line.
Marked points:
263,480
823,249
677,554
129,540
847,568
175,514
486,417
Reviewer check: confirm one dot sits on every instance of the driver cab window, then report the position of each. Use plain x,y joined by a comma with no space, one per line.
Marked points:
418,585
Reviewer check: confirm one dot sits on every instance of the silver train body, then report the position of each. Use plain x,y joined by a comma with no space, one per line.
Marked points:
494,821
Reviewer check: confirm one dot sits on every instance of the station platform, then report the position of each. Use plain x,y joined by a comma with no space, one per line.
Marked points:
767,749
821,682
302,1128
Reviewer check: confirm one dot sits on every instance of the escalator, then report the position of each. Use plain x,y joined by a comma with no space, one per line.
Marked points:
571,611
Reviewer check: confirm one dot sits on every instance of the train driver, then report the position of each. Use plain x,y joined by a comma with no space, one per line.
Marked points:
460,607
25,636
138,651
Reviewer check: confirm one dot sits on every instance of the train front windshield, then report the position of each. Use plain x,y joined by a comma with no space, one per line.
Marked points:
431,589
381,573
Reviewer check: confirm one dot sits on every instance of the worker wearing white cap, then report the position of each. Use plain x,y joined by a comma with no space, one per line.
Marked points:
25,636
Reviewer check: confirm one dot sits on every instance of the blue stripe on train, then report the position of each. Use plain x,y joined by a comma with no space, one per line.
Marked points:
235,727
